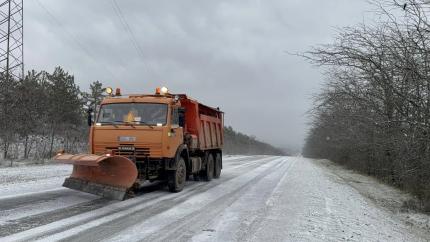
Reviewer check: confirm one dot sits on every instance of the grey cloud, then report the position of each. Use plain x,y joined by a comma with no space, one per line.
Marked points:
225,53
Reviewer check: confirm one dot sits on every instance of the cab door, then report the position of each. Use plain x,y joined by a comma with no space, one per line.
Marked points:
176,132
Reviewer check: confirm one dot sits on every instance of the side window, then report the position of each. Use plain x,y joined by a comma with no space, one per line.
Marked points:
181,116
175,116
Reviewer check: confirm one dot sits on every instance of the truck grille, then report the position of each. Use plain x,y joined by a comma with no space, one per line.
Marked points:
140,150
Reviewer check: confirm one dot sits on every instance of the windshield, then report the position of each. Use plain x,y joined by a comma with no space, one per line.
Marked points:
135,113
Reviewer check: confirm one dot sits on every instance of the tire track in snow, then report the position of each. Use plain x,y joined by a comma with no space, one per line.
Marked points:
247,229
42,218
188,212
96,231
202,221
59,226
240,160
25,211
32,198
40,230
39,174
84,218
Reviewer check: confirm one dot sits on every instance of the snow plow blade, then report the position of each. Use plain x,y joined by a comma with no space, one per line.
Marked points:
106,176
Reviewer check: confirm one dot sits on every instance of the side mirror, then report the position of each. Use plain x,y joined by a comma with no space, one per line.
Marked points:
89,117
181,117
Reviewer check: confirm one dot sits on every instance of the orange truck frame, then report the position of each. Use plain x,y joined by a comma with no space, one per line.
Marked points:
136,138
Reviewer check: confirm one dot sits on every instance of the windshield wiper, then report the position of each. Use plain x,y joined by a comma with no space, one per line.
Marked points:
139,122
131,123
147,125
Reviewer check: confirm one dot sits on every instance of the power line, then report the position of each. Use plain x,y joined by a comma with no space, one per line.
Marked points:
73,37
127,27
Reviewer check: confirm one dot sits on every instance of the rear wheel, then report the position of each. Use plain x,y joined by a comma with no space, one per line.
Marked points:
217,166
176,179
208,173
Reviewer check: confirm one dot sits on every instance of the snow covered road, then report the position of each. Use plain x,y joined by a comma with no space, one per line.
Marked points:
257,198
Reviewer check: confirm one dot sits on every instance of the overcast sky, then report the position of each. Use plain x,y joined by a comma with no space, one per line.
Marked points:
230,54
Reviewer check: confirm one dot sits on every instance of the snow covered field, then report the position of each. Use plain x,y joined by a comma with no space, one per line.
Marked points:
257,198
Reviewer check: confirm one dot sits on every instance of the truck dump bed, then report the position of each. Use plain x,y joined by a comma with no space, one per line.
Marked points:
204,123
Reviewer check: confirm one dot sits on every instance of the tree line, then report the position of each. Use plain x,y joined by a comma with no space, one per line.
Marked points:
42,113
45,112
238,143
373,114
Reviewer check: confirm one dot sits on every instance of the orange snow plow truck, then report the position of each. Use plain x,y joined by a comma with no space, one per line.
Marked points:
138,138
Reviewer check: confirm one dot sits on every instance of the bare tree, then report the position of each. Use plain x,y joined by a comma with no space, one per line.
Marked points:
374,113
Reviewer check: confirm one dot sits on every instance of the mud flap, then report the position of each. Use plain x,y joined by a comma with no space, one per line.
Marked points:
106,176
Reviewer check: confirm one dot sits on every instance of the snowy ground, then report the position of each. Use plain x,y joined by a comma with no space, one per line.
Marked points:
257,198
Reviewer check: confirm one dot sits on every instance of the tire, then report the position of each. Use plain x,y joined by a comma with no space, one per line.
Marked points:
208,173
176,179
217,166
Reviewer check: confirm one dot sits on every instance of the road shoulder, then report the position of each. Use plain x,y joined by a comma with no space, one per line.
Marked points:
382,195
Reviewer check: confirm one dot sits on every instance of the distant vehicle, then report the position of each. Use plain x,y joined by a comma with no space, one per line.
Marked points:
136,138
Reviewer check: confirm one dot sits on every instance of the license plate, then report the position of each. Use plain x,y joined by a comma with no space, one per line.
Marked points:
126,148
126,138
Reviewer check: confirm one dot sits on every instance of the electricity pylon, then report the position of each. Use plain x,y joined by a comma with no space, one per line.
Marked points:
12,38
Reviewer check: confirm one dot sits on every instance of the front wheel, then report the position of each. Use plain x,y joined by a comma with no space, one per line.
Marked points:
176,179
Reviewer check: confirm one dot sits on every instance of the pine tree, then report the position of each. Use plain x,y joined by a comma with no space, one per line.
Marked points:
93,98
